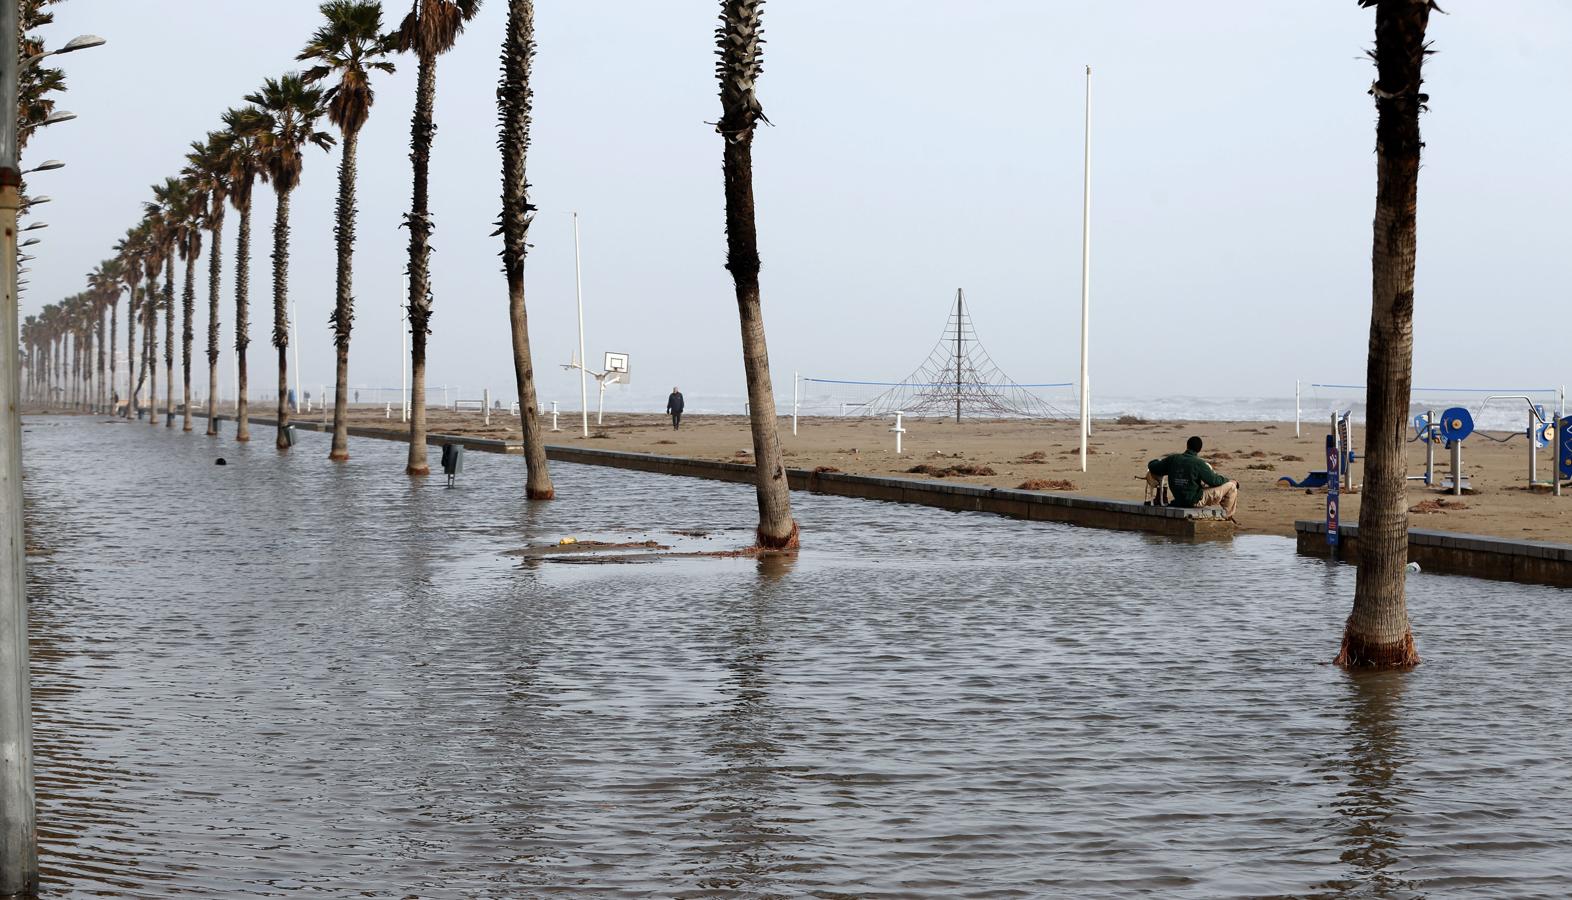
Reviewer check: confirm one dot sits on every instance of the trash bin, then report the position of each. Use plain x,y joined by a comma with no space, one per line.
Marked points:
452,460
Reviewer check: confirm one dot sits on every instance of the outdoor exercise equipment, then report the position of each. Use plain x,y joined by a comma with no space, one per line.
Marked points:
1341,442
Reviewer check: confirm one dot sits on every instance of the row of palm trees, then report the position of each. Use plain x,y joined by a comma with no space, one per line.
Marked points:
269,137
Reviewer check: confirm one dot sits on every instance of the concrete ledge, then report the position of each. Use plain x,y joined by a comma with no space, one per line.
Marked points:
1125,515
1501,559
1091,512
489,445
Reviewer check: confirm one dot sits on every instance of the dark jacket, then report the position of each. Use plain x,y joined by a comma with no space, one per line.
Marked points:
1188,476
674,403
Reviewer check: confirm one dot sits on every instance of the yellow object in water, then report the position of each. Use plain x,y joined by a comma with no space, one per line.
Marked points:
567,540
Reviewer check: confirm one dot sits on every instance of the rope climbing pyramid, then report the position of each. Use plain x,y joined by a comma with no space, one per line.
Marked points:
959,378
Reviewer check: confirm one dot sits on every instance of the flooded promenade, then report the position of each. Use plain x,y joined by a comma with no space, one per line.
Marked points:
282,677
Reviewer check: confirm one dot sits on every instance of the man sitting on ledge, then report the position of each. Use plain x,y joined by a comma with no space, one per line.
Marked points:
1192,482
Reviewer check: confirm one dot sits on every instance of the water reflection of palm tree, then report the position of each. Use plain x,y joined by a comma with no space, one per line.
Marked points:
1373,795
745,846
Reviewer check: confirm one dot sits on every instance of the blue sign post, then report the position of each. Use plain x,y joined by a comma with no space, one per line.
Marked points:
1333,460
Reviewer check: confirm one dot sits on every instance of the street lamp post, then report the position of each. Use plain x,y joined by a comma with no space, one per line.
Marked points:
578,291
18,803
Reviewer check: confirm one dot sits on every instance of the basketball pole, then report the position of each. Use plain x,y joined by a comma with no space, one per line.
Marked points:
1086,274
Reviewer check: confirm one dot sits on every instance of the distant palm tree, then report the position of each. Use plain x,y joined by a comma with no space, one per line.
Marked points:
152,259
243,155
1377,634
741,51
168,212
189,222
430,29
514,102
127,251
288,111
208,166
348,48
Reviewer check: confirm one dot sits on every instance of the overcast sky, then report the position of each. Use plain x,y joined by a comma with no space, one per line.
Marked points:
918,146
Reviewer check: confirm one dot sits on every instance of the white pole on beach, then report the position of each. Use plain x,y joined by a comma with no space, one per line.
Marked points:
294,338
578,290
796,380
403,355
1296,407
1086,274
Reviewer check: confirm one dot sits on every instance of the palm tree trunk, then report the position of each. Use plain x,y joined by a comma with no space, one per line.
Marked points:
1377,634
214,276
514,98
422,129
132,384
242,321
152,351
102,399
169,337
188,300
344,299
741,48
281,311
114,335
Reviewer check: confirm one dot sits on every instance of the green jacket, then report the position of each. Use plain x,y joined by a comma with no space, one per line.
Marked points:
1188,475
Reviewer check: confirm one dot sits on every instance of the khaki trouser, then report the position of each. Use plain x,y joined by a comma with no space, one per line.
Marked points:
1225,495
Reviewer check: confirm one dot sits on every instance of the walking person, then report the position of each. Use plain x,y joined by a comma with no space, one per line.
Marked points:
674,408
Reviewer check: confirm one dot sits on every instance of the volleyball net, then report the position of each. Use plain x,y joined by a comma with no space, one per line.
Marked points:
1492,408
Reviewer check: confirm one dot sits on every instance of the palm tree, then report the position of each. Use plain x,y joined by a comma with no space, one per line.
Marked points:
348,48
741,42
104,281
128,255
430,29
28,332
1377,634
99,301
243,157
514,102
208,165
288,110
168,210
189,222
152,260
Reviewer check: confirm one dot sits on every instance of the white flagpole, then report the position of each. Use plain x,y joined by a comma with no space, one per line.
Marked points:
1086,276
294,316
578,290
403,369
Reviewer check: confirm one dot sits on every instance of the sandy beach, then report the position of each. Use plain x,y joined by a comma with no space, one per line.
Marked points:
1019,452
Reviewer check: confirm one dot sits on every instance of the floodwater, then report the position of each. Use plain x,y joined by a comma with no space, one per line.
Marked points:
286,678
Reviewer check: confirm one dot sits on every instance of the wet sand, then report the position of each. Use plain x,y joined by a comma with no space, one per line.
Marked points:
1255,453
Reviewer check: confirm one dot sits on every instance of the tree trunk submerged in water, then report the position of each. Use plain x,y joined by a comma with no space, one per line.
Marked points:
514,99
169,338
214,278
741,43
114,335
281,313
1377,634
344,303
187,301
422,129
242,321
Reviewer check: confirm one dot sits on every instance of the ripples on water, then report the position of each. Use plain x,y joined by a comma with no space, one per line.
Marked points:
287,678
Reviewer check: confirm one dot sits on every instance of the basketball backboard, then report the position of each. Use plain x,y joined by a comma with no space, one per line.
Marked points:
618,363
